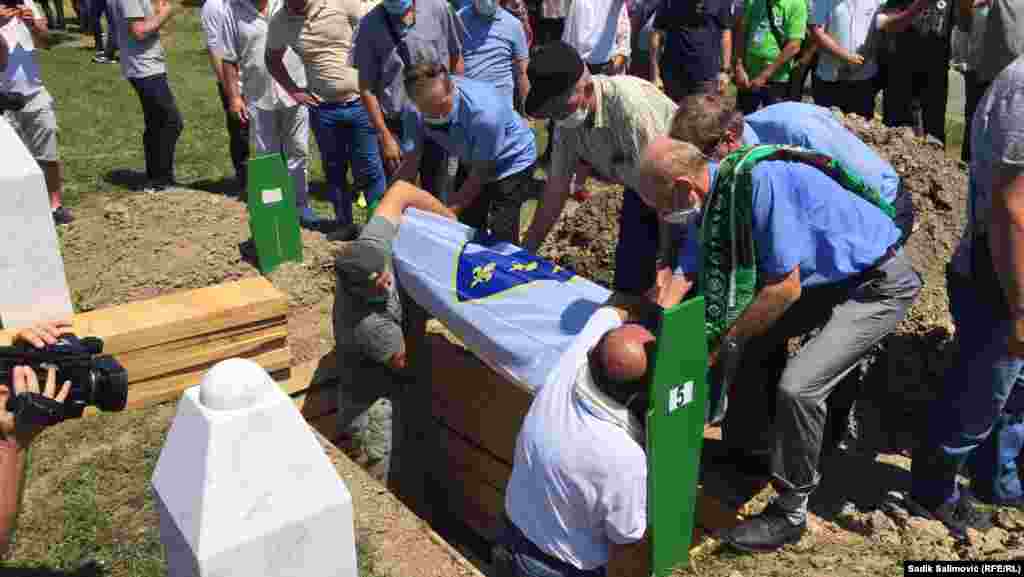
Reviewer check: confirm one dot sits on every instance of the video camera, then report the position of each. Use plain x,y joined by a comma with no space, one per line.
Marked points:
96,379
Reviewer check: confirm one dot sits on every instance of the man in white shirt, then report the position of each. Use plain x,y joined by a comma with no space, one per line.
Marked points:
36,121
577,498
277,123
212,20
592,28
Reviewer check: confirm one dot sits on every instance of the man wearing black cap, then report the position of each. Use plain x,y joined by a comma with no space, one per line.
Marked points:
368,325
606,121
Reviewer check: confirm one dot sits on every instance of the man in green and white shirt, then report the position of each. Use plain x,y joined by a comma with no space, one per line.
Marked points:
767,40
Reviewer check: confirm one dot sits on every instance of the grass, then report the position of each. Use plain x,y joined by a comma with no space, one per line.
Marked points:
100,117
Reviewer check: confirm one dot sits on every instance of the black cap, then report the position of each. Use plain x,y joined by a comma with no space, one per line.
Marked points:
358,261
554,69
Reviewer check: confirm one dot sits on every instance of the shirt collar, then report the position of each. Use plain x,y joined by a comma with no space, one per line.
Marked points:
749,136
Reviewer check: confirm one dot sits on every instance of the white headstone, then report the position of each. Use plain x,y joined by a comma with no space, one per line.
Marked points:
243,487
33,287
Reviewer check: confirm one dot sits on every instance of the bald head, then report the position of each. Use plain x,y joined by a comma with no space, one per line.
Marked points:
621,353
664,162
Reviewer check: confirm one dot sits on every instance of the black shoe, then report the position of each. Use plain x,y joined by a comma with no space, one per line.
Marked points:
62,215
957,517
344,233
768,531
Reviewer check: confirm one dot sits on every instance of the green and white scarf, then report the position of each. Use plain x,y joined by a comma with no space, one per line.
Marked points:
729,278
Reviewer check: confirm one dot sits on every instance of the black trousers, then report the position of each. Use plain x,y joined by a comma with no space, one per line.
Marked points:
238,139
850,96
433,171
922,79
974,89
498,205
163,126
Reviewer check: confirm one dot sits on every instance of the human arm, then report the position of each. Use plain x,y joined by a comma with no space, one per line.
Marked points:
900,20
214,27
456,32
768,306
4,48
35,21
655,57
521,61
140,27
1006,243
829,44
16,437
739,41
479,174
623,47
556,193
236,104
723,74
402,195
274,60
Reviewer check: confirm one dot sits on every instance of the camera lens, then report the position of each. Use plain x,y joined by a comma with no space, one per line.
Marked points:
111,384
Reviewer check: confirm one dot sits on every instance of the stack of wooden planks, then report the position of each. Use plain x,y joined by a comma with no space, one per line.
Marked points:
167,343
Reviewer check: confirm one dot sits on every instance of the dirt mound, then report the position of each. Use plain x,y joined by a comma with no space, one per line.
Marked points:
141,246
912,360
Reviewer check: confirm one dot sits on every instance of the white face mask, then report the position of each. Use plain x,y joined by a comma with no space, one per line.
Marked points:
575,119
684,217
486,7
437,120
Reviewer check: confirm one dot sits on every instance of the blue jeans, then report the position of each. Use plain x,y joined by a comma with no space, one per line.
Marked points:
345,135
974,395
517,556
637,249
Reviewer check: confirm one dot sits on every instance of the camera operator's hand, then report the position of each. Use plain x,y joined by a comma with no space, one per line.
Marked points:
43,334
23,380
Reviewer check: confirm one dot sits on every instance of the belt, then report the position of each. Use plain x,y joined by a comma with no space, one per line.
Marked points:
875,270
517,542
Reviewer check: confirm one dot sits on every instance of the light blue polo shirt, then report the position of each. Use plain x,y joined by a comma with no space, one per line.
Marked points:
814,127
491,47
804,218
484,128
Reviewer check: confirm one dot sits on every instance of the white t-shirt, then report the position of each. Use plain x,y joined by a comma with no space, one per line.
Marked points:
579,483
212,21
591,28
22,72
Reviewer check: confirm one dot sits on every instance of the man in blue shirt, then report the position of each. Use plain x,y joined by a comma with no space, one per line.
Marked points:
824,257
471,120
717,128
494,49
697,47
393,35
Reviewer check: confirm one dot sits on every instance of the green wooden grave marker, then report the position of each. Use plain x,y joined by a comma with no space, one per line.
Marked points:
273,218
675,433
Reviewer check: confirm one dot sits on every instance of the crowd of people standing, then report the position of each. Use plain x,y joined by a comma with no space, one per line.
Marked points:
636,93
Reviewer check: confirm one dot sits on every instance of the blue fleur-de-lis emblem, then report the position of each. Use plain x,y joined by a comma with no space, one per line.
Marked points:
485,272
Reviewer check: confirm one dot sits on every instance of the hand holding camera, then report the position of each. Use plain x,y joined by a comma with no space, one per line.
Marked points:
24,389
50,353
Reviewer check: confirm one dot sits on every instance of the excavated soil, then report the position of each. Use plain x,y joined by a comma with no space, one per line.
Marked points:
908,367
142,246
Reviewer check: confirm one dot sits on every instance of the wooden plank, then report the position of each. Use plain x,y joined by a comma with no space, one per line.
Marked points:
169,387
474,400
155,364
463,455
240,331
177,316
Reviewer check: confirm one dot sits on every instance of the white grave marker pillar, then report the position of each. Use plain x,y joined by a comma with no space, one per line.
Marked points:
33,287
243,487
